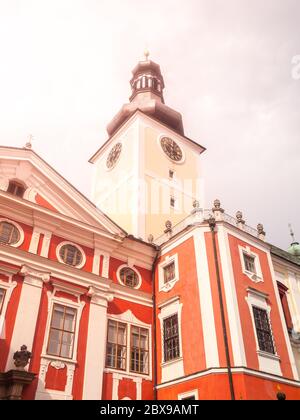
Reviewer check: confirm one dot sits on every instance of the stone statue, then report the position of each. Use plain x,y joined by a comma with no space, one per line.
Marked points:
22,357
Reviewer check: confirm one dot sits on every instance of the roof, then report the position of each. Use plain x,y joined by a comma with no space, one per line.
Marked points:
92,159
285,255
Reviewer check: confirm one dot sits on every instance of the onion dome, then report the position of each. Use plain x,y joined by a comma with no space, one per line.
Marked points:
147,85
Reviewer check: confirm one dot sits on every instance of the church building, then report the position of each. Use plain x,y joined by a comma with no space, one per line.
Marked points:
143,293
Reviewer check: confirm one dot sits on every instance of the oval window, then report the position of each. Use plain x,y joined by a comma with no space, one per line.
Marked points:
9,234
71,255
129,277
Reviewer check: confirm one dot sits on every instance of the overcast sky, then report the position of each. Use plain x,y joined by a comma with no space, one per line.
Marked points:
65,67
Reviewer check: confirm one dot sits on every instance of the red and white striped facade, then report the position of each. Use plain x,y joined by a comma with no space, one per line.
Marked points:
34,279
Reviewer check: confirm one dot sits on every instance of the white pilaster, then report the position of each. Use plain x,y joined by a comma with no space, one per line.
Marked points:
96,345
206,302
28,309
34,243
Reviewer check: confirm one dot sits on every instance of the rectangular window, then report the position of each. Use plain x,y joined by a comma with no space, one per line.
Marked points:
172,202
62,331
171,338
139,350
2,296
169,272
263,330
171,174
249,261
116,345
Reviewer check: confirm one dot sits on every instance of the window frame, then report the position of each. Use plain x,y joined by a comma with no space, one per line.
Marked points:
17,226
259,330
140,350
136,272
255,277
17,184
131,321
267,362
64,243
166,340
166,287
117,345
63,331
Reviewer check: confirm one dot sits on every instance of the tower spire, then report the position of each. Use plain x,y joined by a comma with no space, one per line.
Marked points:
292,233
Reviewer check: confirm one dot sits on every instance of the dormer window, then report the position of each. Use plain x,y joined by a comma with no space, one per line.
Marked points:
16,188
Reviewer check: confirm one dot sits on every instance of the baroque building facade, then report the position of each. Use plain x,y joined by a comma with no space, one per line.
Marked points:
159,299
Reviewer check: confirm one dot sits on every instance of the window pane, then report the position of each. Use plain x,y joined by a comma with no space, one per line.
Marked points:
9,234
171,338
139,357
263,330
112,332
67,345
54,342
250,263
122,334
58,317
169,272
129,277
116,348
61,336
69,320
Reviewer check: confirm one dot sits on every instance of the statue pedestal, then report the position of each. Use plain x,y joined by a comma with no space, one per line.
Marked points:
13,382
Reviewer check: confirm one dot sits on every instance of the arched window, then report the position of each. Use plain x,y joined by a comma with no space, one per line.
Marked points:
129,277
16,188
9,234
71,255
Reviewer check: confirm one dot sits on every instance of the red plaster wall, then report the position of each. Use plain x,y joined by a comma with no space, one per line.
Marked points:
188,290
242,282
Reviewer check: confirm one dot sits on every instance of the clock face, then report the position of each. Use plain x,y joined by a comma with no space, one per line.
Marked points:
114,155
171,149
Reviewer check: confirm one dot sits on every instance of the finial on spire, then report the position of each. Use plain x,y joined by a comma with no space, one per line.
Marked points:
292,232
28,145
146,54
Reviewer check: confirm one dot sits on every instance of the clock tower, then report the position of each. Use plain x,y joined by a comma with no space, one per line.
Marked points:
147,172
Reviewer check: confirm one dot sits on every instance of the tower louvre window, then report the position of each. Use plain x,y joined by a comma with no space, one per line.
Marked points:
172,202
171,338
263,330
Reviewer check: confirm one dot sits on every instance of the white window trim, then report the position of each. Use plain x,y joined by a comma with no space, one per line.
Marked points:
258,300
133,269
21,232
166,287
268,362
161,136
130,320
58,248
8,288
193,393
168,309
79,305
258,277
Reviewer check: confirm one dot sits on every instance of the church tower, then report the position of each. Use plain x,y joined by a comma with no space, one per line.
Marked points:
148,171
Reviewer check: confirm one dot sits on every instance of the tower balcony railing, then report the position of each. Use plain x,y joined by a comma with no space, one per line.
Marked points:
200,216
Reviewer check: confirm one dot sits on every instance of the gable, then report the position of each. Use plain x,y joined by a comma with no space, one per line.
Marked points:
48,189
